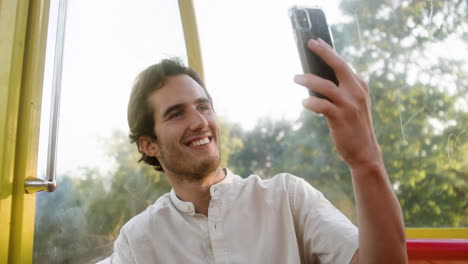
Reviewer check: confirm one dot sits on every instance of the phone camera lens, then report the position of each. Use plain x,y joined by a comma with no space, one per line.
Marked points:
303,19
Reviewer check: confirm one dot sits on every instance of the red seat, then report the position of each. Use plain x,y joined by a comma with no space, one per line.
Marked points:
437,251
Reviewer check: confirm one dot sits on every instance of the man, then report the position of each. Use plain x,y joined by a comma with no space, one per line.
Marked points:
214,216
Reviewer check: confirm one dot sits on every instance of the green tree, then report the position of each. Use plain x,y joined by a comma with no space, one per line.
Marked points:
419,99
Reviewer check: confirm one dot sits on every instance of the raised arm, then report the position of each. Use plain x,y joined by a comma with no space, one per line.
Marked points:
380,220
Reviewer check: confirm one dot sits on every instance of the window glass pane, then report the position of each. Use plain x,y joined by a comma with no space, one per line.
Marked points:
100,184
414,56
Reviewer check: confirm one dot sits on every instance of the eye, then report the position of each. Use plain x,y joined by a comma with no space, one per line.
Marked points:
204,107
175,114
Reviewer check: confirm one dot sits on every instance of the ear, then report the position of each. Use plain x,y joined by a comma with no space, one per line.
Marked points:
148,146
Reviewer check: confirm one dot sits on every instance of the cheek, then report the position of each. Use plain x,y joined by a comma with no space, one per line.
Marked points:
168,134
215,126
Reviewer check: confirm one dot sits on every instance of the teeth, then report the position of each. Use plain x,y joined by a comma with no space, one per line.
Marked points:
200,142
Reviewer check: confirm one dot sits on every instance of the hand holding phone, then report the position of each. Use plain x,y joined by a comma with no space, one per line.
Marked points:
310,23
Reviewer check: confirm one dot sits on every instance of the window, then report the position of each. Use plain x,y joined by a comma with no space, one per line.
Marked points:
107,43
413,54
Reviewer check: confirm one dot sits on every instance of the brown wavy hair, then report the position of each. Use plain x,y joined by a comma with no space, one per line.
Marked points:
139,112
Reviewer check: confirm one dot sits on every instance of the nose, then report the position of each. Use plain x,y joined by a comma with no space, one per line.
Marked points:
198,121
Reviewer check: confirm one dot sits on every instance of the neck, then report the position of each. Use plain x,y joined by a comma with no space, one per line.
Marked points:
196,191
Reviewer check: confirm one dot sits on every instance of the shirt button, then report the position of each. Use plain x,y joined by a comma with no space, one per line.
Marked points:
187,208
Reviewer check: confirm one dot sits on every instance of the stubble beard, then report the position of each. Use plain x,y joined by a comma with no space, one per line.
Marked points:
184,166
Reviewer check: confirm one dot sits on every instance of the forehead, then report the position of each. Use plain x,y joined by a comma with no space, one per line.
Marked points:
179,89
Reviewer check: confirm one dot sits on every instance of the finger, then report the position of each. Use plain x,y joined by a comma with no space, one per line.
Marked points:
356,77
329,56
319,85
325,44
320,106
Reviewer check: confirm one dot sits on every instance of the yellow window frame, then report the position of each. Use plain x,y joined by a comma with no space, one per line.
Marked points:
23,27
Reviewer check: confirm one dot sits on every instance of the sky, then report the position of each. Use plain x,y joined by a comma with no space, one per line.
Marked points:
248,52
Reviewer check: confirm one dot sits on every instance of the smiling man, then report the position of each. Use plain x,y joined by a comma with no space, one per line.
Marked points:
185,139
214,216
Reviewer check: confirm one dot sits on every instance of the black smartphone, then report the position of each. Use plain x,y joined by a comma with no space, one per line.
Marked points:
310,23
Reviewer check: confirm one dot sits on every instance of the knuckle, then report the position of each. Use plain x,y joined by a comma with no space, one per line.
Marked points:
361,98
329,113
341,66
360,95
327,84
363,85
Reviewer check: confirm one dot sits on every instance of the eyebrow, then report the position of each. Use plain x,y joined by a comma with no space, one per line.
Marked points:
171,108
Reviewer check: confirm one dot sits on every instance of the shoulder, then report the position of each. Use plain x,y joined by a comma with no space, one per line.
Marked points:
139,224
295,189
138,230
282,184
282,180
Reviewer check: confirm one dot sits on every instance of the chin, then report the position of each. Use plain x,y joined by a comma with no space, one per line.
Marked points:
193,168
207,166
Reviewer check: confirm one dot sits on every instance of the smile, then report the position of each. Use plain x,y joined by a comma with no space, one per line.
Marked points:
199,142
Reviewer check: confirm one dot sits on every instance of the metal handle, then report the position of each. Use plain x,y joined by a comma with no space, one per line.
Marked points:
32,184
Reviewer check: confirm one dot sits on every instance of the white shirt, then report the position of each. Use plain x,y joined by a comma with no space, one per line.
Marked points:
278,220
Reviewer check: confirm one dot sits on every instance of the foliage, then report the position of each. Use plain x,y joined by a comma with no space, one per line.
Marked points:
90,208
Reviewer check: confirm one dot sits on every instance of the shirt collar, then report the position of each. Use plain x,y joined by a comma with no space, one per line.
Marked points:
215,191
181,205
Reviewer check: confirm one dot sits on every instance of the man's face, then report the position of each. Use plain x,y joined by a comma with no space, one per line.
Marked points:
186,128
